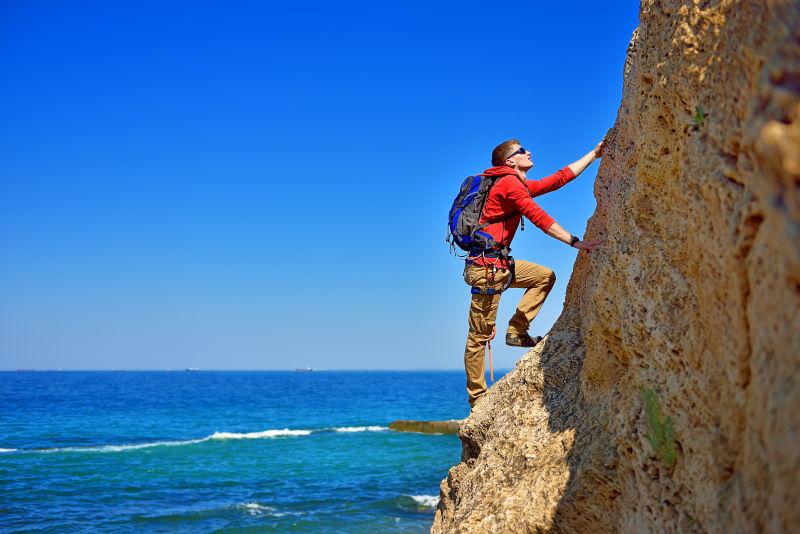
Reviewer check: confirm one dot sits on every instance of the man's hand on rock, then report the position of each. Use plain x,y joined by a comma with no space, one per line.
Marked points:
598,150
588,246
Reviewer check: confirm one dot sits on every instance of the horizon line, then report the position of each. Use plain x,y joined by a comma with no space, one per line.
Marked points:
197,370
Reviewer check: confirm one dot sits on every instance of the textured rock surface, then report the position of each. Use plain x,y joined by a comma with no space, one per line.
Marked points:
695,297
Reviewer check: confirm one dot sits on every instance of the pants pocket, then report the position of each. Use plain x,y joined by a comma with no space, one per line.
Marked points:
478,276
475,275
483,313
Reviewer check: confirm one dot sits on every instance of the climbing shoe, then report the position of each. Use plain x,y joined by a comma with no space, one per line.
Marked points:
521,340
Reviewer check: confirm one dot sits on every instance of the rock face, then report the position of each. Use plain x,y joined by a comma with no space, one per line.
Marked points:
666,397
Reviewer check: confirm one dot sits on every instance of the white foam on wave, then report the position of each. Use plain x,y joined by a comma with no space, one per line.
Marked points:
258,509
253,508
135,446
426,500
257,435
119,448
272,433
360,428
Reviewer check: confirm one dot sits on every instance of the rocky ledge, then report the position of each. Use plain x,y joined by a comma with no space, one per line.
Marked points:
426,427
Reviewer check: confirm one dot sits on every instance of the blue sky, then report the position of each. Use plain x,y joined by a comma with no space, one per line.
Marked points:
265,186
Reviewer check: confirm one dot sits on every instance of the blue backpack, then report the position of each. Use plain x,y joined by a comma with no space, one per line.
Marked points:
464,229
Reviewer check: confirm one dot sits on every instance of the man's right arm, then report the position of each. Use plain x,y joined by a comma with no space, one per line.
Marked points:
519,197
562,235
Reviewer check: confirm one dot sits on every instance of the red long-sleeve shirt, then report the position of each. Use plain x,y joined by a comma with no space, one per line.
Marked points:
510,198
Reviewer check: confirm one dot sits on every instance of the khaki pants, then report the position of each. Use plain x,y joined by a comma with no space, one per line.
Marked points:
537,281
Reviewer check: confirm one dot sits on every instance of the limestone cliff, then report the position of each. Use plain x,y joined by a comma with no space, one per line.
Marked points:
666,396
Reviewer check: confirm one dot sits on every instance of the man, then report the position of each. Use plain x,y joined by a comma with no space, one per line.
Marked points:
489,272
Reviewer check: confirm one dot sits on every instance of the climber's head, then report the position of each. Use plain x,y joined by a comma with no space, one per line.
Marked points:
512,154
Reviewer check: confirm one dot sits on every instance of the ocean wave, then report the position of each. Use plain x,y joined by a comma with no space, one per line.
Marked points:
135,446
258,509
253,508
116,448
129,447
262,434
430,501
360,428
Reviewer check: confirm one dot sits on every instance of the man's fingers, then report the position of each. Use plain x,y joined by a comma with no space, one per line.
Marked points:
589,246
598,150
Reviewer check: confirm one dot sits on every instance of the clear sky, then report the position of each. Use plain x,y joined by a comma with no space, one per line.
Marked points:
264,185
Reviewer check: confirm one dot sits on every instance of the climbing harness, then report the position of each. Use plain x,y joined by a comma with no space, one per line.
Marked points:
488,255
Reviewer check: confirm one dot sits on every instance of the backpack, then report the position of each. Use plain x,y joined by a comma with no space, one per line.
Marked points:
463,225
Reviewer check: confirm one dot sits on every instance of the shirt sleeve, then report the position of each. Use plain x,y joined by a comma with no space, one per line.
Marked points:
520,199
550,183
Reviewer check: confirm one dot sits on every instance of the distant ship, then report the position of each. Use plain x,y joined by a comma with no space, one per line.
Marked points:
25,370
192,368
304,369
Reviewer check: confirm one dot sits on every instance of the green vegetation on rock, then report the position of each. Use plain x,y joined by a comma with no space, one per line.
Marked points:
661,435
699,117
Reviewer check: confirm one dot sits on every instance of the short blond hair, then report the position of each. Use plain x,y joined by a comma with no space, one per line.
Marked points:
502,151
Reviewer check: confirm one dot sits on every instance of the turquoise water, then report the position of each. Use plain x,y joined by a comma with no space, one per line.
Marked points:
229,451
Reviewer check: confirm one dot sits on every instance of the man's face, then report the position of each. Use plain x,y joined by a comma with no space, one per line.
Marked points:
522,161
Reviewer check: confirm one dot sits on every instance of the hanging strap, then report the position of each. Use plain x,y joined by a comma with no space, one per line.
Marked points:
489,350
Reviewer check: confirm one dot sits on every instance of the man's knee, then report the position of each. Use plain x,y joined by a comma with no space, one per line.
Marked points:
481,329
544,279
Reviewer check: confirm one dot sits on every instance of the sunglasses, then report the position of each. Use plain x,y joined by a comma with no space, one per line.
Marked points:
521,150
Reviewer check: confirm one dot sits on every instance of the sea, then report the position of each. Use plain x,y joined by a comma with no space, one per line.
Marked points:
223,451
